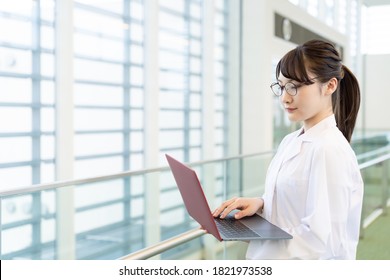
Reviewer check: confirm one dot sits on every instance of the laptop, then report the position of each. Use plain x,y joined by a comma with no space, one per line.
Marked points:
248,228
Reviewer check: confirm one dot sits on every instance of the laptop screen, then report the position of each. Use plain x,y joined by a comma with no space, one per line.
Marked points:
193,196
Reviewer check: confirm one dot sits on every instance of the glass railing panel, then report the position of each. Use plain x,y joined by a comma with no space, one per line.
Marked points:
109,218
28,226
112,218
372,146
100,220
376,187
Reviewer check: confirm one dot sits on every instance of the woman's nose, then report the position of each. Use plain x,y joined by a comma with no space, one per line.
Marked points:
285,97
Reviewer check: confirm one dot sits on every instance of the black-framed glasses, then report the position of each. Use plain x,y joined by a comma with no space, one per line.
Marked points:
289,87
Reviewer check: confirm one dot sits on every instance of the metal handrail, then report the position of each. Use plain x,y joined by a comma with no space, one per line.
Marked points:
374,152
374,161
59,184
165,245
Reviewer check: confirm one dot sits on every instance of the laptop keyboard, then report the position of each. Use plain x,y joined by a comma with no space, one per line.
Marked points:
230,228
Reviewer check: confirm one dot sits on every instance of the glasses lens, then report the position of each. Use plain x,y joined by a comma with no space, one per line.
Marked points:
291,89
276,89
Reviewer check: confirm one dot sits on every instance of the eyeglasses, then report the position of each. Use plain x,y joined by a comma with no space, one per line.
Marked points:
289,87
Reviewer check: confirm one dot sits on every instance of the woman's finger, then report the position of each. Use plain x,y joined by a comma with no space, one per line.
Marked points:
217,212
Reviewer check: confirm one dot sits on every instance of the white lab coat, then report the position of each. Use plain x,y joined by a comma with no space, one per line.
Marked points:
314,191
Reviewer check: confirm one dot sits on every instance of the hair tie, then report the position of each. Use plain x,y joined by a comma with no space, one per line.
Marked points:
342,72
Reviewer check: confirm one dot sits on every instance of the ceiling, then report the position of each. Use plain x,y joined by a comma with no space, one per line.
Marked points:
370,3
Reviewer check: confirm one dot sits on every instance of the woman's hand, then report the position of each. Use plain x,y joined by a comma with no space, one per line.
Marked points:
248,207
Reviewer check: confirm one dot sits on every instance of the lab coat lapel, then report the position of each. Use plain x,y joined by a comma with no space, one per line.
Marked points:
293,149
289,151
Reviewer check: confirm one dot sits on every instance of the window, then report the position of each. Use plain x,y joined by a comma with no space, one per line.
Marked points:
109,117
108,90
27,99
221,35
180,42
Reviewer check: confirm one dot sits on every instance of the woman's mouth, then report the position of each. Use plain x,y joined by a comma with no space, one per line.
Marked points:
290,110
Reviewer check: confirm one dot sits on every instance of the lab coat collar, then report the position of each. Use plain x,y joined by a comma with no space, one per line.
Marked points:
308,136
315,131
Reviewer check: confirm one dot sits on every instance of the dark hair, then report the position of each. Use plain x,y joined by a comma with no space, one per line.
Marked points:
322,59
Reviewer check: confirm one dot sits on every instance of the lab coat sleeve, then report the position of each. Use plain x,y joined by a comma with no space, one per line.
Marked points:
322,233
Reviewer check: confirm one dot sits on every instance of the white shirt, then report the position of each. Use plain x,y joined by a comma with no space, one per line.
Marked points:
314,191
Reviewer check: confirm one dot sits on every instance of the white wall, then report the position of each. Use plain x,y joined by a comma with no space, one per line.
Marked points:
376,92
256,110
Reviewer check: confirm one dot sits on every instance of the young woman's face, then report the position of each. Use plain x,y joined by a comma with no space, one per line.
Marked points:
311,104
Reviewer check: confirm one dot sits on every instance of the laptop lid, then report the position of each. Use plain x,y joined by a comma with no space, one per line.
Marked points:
193,196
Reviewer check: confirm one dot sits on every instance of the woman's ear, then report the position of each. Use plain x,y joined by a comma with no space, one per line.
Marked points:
331,86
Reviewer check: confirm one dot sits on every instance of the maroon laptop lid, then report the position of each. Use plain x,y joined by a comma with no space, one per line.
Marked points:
193,196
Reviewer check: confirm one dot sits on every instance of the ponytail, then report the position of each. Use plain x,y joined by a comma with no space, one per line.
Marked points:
346,102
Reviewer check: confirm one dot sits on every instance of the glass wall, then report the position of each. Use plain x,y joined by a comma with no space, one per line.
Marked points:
180,42
108,89
27,92
221,35
109,73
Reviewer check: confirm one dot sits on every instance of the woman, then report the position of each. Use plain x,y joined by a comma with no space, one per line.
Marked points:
313,187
